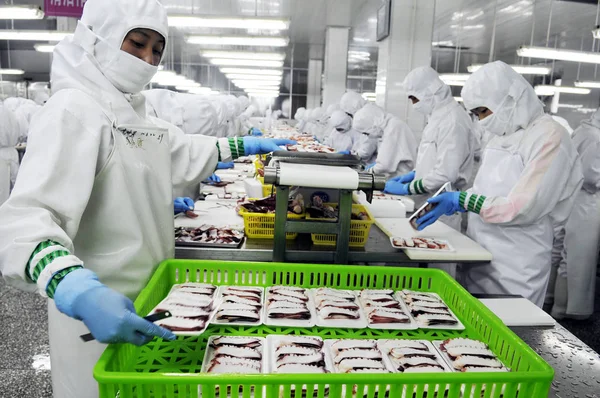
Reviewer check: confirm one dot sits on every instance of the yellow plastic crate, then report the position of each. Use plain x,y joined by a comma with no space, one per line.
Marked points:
359,230
268,189
262,226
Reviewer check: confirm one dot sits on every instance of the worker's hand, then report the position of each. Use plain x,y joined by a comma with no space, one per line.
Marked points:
344,152
255,132
261,146
223,166
181,205
109,315
213,178
408,177
396,188
445,204
370,166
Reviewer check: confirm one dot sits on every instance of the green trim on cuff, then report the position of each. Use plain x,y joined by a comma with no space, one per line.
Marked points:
479,204
461,199
241,149
472,201
219,151
40,247
233,148
57,277
410,192
44,262
422,189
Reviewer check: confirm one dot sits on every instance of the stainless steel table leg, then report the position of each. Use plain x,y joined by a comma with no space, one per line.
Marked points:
344,218
281,209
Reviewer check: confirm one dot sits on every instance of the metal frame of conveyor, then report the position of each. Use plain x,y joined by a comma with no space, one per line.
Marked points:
367,183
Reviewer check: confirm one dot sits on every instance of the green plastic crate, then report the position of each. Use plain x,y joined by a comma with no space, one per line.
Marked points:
171,369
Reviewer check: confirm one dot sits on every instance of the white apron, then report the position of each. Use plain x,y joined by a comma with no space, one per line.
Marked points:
4,181
581,253
522,254
126,230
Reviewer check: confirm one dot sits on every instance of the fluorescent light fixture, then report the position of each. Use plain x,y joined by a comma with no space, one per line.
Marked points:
266,72
267,56
171,78
455,76
596,32
191,21
587,84
256,84
21,12
239,76
263,95
444,43
547,90
457,83
521,69
268,41
570,106
33,35
246,62
559,54
200,90
187,87
11,71
44,48
458,99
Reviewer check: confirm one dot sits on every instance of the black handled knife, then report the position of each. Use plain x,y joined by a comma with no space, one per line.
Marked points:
150,318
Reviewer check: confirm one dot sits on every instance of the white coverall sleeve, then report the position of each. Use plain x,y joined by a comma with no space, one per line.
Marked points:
395,156
542,185
52,191
452,150
590,164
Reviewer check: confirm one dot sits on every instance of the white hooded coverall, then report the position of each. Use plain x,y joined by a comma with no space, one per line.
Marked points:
95,187
342,136
10,132
396,147
351,102
528,177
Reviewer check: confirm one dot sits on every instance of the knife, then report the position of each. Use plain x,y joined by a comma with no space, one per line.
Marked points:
150,318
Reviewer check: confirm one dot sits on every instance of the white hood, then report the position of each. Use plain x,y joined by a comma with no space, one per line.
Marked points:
9,128
300,113
341,120
351,102
425,84
370,120
244,102
594,120
499,88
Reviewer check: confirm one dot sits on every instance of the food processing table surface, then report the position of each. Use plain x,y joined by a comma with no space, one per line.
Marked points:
301,250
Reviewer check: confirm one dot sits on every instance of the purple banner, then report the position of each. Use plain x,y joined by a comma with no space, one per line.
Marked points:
64,8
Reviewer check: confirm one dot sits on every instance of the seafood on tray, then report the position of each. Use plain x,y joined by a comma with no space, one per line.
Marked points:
413,356
297,354
240,305
234,354
285,304
467,355
313,147
336,304
428,309
267,205
420,243
191,305
209,234
357,356
382,308
318,209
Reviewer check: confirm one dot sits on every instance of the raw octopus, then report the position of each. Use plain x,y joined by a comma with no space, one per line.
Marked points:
208,234
268,204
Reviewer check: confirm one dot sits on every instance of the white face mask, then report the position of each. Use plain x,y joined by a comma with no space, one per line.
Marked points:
374,132
423,107
127,73
494,125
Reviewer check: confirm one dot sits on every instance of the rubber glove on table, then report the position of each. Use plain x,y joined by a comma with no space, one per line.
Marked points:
262,146
370,166
445,204
109,315
181,205
223,166
396,188
255,132
406,178
344,152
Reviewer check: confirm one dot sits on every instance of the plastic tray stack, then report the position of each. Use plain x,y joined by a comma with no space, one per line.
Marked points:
172,369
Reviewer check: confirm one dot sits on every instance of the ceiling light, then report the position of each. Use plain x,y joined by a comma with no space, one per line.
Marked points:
267,56
445,43
257,84
550,90
246,62
559,54
587,84
570,106
187,87
596,32
458,99
456,83
274,41
11,71
239,76
455,76
44,48
33,35
521,69
191,21
200,90
270,72
21,12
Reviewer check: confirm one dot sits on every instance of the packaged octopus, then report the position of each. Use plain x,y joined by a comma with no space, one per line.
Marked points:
297,354
209,235
419,243
427,207
234,354
468,355
429,310
384,311
239,305
289,306
413,356
338,308
191,305
356,356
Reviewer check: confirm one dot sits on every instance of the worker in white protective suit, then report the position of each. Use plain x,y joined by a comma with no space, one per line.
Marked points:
351,102
300,117
9,158
527,181
24,113
234,111
12,103
396,147
342,136
446,150
222,115
575,286
97,181
315,123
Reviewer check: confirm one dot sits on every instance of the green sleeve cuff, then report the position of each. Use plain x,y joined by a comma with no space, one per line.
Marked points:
461,199
474,204
416,187
39,266
57,277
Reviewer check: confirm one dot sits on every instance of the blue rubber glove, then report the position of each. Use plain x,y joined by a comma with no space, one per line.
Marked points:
396,188
214,178
110,316
316,139
370,166
262,146
445,204
344,152
255,132
408,177
181,205
223,166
